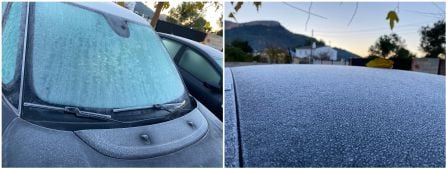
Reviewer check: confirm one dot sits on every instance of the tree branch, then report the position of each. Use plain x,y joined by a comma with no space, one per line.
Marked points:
441,9
308,18
354,14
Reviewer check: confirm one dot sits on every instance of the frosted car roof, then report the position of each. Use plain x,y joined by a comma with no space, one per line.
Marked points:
342,116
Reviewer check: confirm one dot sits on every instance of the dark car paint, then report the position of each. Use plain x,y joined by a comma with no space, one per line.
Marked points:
211,97
29,145
191,140
333,116
8,113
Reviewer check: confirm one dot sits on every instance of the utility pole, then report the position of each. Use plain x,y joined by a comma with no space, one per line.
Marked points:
311,50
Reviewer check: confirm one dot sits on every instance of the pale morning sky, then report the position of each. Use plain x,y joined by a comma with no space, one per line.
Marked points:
368,24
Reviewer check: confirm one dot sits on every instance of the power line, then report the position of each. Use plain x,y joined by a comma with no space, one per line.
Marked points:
425,13
286,3
366,34
441,9
386,29
373,29
370,34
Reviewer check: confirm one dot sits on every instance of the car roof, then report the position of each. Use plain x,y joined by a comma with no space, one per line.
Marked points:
216,54
336,116
232,158
113,9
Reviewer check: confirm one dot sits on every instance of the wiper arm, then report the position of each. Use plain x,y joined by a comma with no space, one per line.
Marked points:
72,110
166,106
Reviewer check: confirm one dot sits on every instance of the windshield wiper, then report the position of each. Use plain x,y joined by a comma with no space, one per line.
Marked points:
170,107
71,110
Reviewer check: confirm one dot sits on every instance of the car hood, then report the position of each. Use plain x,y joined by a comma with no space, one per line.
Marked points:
192,140
333,116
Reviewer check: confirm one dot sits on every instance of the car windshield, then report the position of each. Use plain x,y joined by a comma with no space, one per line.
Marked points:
79,59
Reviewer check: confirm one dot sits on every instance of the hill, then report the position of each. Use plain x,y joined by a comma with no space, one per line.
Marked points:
264,34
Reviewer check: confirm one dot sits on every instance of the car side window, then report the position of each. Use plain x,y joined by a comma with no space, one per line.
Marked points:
172,47
11,42
199,67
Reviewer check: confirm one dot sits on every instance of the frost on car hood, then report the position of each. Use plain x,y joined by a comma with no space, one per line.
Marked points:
339,116
199,144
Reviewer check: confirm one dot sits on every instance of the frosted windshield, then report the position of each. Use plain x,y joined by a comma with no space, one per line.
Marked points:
78,60
10,41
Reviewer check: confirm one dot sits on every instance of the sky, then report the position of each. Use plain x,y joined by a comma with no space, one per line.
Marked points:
211,14
367,25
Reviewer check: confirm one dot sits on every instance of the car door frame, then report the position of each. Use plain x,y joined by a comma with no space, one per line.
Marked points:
10,111
186,45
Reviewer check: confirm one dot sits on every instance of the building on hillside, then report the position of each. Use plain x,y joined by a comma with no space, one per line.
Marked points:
214,40
319,53
140,9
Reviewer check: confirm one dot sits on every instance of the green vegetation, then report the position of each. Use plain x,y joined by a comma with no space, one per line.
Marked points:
278,55
239,51
190,14
433,39
238,5
243,45
390,46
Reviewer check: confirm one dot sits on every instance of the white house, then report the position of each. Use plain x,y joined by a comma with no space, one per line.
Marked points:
140,9
318,52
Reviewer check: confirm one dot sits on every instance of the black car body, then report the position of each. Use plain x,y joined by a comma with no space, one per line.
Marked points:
201,68
333,116
91,85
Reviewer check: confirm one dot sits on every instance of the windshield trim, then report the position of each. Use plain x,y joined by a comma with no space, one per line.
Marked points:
25,48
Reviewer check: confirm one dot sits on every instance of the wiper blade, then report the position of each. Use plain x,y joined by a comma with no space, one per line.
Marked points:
72,110
166,106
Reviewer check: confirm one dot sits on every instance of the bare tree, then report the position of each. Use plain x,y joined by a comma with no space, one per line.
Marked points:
277,55
156,15
324,56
